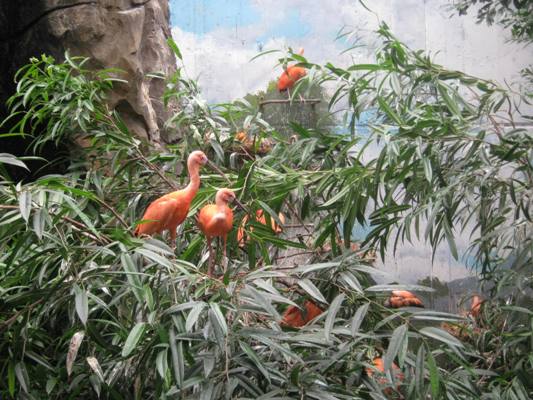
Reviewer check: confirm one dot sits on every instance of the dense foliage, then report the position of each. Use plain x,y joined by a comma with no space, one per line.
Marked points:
87,310
513,14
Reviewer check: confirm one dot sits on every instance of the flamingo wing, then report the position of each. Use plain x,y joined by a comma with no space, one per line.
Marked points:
160,215
215,222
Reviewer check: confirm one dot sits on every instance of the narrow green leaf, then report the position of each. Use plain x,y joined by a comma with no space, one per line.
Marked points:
441,335
332,313
310,288
97,369
6,158
174,47
133,338
25,204
22,376
193,316
428,170
221,321
176,350
11,379
399,335
161,363
82,303
433,376
255,359
358,319
74,346
419,370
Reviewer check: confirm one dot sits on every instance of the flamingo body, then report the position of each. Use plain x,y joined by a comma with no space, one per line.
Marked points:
403,298
296,317
289,77
216,220
165,213
379,369
475,308
169,211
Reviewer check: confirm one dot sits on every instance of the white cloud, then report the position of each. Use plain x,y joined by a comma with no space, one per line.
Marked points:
221,57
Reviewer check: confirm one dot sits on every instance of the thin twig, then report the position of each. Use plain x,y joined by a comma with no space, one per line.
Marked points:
77,224
8,322
282,101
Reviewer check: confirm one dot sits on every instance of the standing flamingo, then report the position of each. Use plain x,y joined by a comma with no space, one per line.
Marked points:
290,76
216,220
170,210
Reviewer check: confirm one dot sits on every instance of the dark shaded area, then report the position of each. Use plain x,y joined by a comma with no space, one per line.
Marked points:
24,34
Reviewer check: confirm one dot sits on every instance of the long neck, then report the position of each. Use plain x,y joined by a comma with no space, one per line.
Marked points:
194,179
220,203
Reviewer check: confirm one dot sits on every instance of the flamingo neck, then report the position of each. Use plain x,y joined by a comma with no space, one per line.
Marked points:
220,203
194,180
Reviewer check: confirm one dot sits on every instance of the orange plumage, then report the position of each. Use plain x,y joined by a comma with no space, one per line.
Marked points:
253,145
170,210
261,218
403,298
379,369
290,76
475,308
216,220
296,317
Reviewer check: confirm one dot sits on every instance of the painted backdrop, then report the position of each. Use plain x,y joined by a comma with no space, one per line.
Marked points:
219,37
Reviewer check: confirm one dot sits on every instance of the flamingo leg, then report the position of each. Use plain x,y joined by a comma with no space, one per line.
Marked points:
226,261
211,262
172,231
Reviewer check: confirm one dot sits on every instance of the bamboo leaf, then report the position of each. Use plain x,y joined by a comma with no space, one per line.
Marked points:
133,338
398,338
310,288
25,204
433,376
176,350
358,319
255,359
161,363
82,304
22,376
332,313
74,346
6,158
441,335
97,369
193,316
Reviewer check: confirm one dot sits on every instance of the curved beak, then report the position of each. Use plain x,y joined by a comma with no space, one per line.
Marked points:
218,170
240,205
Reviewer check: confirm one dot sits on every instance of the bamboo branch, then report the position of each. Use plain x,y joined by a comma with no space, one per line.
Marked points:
285,101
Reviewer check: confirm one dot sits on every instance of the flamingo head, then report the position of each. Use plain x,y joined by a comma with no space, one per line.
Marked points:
225,196
197,157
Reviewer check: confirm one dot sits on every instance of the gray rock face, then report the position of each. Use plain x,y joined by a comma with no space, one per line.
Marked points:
126,34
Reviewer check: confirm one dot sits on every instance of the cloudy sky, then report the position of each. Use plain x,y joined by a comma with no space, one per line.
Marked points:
219,37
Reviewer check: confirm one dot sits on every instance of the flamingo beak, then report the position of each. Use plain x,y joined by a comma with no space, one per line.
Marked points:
240,205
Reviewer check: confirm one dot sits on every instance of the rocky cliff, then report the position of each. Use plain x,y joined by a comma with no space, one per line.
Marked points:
126,34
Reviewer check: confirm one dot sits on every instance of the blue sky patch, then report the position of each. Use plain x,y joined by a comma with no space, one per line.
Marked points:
203,16
291,27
